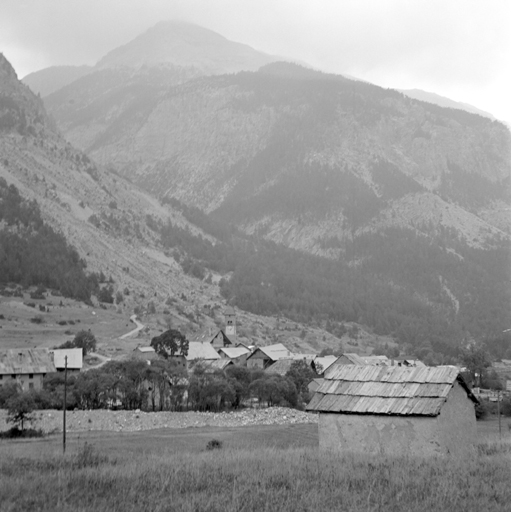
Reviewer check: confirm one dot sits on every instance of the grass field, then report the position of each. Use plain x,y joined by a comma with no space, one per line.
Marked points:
257,468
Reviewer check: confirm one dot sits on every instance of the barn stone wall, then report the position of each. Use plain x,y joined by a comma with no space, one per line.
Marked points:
453,431
457,422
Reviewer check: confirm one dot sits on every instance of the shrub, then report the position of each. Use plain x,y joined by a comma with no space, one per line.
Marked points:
15,432
214,444
20,409
88,457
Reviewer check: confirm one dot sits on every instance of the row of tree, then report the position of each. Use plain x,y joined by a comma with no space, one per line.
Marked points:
166,386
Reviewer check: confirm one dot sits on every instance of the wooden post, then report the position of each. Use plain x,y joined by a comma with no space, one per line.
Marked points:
64,408
498,412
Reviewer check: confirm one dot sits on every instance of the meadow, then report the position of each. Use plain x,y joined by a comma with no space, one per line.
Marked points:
274,468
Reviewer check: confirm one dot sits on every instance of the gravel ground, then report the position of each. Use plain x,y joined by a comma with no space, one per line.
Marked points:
130,421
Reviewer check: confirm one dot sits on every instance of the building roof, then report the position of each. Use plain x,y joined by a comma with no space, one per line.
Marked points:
234,352
280,367
198,350
276,352
229,310
355,358
389,390
219,364
74,358
325,361
407,361
145,350
22,361
377,360
207,336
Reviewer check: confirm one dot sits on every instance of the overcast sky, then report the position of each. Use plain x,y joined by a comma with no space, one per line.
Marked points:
457,48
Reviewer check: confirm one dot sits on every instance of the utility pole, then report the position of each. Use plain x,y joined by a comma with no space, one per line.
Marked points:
498,412
64,408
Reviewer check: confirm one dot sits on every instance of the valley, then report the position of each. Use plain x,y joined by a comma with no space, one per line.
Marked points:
318,205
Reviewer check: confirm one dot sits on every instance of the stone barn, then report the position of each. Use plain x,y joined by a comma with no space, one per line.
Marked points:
395,410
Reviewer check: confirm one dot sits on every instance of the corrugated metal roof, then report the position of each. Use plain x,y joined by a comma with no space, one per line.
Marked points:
386,389
22,361
74,358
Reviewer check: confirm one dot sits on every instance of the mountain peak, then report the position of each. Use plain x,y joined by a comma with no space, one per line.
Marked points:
184,44
7,73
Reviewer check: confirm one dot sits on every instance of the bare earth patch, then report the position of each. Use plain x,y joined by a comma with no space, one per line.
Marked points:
132,421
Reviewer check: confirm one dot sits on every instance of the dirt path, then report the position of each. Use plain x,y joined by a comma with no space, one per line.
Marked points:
103,359
133,318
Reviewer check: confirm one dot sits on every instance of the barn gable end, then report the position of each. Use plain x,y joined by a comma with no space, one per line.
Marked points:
395,410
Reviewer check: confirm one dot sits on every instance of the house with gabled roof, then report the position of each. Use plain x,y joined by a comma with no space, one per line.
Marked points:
218,364
238,355
74,359
25,367
322,363
395,409
145,353
262,357
218,340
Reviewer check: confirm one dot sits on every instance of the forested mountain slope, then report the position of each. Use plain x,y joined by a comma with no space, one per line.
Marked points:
408,201
52,192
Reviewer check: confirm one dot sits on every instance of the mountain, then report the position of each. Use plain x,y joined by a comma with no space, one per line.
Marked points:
185,44
52,79
442,101
296,154
351,203
169,43
72,217
317,198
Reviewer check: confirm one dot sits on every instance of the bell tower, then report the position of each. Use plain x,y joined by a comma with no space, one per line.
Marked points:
230,324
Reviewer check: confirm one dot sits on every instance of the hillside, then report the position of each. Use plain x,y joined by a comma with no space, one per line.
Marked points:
407,201
51,79
113,227
319,199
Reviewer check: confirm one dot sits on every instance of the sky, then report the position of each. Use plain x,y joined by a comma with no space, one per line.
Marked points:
460,49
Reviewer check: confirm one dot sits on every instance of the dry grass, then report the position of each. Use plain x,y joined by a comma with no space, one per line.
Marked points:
34,476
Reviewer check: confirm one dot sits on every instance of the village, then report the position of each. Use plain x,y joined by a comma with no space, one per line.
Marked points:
366,402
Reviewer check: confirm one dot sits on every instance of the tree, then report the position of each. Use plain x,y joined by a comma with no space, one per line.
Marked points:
106,294
476,359
301,374
170,343
239,378
210,390
274,390
7,391
20,409
84,340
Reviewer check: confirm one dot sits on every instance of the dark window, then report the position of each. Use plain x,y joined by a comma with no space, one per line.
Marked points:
30,375
1,377
13,376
